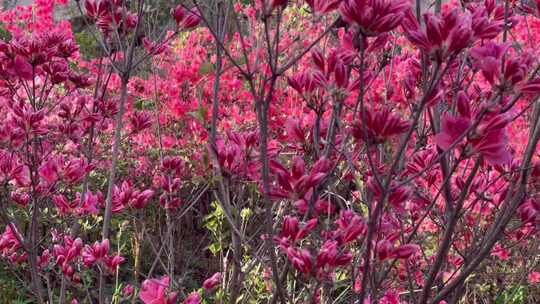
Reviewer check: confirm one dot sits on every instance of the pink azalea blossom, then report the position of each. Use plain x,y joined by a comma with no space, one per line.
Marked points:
193,298
213,281
156,291
534,277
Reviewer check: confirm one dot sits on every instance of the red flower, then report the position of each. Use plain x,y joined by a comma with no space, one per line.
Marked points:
295,133
307,81
420,162
193,298
67,253
443,35
213,281
112,262
451,129
139,121
331,256
49,171
140,200
290,227
499,252
406,251
292,230
483,27
300,259
488,59
277,3
89,205
341,74
297,183
398,195
350,226
154,291
529,212
384,249
21,199
75,171
379,126
152,47
531,87
121,197
44,258
489,139
534,277
96,9
64,207
94,253
128,291
392,297
323,207
374,16
184,18
323,6
9,242
22,68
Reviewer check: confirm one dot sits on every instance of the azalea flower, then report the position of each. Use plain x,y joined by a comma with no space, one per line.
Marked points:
193,298
489,139
374,16
534,277
444,35
184,18
96,252
379,125
156,291
213,281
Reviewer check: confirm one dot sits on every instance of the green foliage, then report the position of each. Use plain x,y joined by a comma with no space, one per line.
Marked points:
516,294
11,291
213,222
200,114
144,104
87,45
4,35
206,68
245,214
257,285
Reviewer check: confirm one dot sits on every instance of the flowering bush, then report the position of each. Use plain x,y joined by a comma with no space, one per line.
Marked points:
336,151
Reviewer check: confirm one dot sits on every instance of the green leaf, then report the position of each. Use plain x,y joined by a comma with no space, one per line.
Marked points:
200,114
214,248
245,214
206,68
